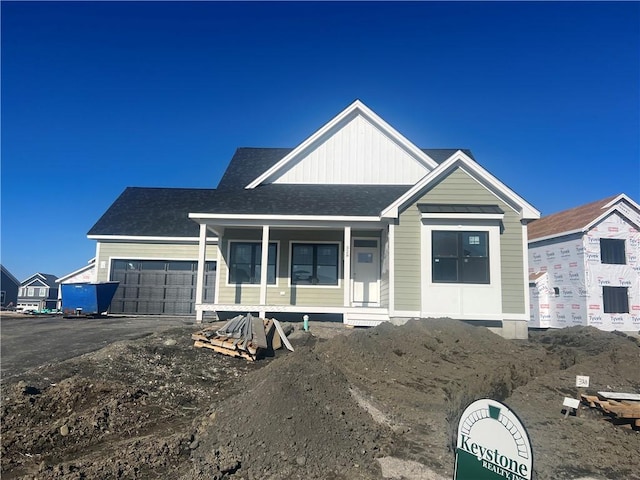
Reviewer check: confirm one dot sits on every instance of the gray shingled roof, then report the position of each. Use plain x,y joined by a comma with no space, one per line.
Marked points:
280,199
441,154
248,163
47,278
163,212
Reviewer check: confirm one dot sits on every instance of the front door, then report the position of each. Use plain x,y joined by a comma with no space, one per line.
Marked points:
366,272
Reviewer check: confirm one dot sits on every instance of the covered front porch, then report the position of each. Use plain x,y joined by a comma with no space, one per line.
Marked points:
312,268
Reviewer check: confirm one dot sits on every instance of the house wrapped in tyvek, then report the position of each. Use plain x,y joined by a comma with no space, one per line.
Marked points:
584,266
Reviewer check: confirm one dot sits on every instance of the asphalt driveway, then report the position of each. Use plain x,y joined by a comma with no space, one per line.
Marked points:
29,341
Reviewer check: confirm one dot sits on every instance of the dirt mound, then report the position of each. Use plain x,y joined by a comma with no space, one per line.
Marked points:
424,374
375,403
124,411
295,418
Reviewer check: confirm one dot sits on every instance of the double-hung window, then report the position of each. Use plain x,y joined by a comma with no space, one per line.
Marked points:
314,264
460,257
245,262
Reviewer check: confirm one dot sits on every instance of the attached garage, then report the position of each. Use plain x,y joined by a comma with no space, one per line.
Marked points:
159,287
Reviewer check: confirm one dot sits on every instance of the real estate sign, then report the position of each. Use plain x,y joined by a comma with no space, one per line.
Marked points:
492,444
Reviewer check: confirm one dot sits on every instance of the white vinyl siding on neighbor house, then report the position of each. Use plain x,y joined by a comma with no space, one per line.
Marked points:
359,153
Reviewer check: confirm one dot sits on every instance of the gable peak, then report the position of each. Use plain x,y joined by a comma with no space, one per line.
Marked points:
358,139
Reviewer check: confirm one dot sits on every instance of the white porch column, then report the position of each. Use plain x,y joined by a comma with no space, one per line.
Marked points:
202,255
264,267
347,266
392,269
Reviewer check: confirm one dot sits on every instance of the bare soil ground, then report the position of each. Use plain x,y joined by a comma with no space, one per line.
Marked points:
347,404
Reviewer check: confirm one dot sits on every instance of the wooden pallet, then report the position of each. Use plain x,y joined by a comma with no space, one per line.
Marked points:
264,336
624,411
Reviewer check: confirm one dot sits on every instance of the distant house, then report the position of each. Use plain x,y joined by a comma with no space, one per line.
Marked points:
37,292
86,274
355,221
9,286
584,266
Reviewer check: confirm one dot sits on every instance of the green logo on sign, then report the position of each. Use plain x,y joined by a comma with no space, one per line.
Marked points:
492,444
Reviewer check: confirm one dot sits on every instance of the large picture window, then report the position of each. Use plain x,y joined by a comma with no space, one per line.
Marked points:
460,257
615,299
314,264
612,251
245,262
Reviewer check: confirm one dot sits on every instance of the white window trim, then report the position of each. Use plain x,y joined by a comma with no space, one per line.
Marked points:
494,251
378,247
458,230
251,285
426,250
313,242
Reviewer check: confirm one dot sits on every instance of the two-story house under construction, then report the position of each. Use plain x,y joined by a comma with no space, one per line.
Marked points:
584,266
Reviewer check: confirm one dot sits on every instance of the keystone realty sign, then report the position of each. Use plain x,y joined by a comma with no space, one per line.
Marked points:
492,444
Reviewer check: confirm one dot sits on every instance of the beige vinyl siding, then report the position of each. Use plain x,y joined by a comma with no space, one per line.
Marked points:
460,188
146,250
512,256
293,295
407,269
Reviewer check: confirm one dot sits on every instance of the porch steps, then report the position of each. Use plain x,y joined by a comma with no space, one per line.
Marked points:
365,319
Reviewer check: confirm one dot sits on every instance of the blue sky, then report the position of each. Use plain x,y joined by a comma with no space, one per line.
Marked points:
100,96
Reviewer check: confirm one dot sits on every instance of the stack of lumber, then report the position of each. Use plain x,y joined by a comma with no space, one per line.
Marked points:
243,336
623,408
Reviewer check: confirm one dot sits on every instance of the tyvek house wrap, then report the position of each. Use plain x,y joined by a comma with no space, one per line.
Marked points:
569,291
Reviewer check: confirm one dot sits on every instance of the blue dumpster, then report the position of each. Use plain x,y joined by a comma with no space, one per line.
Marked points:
83,299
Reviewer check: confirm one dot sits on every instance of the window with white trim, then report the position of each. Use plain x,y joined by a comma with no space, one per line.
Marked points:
460,257
245,262
314,263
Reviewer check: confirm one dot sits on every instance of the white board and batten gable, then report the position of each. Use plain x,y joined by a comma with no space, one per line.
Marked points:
356,147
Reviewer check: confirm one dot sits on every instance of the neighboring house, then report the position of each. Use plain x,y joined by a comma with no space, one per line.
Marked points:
355,221
8,289
584,266
86,274
37,292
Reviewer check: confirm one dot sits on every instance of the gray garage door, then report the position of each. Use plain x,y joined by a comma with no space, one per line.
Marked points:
159,287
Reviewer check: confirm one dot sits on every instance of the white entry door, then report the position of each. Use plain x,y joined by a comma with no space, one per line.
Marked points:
365,270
